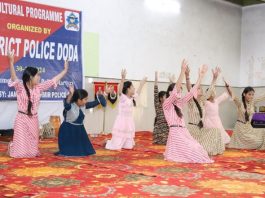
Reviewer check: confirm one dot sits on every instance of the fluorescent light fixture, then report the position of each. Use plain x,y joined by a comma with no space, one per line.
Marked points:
163,6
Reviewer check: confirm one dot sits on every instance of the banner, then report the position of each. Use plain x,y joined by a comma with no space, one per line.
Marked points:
43,37
113,95
99,88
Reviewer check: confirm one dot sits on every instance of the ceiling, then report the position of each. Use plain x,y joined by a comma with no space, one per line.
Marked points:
246,2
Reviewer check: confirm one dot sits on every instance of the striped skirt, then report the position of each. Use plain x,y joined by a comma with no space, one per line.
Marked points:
182,147
210,139
26,137
246,137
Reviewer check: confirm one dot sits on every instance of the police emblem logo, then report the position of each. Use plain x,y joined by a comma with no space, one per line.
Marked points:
72,21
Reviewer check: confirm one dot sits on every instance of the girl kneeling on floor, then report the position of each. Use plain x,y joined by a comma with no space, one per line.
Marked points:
73,139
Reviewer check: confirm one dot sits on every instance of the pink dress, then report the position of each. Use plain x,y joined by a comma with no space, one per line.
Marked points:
123,130
26,128
212,118
181,147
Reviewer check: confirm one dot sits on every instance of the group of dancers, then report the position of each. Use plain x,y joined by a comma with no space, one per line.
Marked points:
205,135
196,143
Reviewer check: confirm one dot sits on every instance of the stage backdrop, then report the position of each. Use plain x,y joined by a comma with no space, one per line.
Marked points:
41,36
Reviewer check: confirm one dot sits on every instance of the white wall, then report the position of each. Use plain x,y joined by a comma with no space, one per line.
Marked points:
253,46
205,31
142,40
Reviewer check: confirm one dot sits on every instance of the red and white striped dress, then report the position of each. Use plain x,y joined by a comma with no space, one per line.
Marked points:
26,128
181,147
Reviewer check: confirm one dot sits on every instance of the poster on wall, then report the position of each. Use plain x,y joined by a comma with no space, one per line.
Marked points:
44,37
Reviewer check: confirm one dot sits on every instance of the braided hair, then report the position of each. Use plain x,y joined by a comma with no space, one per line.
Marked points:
161,94
177,109
245,91
28,73
200,124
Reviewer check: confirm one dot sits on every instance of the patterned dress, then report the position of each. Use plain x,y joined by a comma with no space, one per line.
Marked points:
123,131
244,135
212,118
210,138
181,146
160,132
26,128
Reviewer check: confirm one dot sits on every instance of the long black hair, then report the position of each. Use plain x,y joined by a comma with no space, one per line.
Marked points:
177,109
200,124
246,90
126,86
28,73
206,92
161,94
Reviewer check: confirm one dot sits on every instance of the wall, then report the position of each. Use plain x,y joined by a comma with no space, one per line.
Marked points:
253,48
131,36
143,40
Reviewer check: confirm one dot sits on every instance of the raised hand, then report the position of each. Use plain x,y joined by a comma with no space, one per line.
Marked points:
228,88
10,56
71,89
71,93
187,72
143,81
123,76
226,84
11,64
123,73
66,65
202,71
184,65
109,89
216,72
62,73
